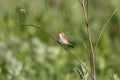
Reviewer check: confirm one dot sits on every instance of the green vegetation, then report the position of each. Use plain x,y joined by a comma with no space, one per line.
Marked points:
28,54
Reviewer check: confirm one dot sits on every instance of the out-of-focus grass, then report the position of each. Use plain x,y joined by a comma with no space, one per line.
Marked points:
28,54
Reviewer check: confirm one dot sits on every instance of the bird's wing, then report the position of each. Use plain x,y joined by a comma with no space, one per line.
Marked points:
65,37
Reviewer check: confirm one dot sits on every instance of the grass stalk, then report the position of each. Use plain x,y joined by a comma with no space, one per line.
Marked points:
85,11
108,20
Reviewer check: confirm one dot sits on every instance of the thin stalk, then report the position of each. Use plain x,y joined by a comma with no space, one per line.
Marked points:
108,20
85,10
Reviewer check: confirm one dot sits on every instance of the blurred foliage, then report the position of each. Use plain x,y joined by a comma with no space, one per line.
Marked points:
28,54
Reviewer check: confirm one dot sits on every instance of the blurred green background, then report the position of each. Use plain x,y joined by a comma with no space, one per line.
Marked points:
28,54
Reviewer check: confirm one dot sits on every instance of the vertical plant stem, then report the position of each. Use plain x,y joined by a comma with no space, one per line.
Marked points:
93,71
85,10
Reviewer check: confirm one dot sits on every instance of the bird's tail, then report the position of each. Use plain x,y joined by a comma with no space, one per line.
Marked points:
70,45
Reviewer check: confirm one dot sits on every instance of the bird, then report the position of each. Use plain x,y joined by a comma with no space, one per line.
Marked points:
22,11
64,40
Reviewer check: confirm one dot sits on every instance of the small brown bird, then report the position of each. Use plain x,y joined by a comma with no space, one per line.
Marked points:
63,40
22,11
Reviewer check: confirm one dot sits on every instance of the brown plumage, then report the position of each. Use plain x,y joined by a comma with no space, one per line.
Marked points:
64,40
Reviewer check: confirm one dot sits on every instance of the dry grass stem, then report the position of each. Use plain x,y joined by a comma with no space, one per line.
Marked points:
85,10
108,20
